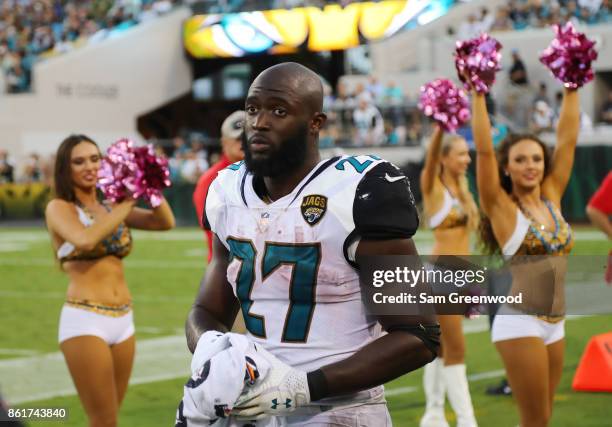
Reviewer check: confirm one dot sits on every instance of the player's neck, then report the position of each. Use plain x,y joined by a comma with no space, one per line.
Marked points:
280,186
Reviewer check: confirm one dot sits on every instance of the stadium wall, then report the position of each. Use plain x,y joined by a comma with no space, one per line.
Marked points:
99,89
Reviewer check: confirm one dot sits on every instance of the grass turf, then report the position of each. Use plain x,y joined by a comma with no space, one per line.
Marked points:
164,272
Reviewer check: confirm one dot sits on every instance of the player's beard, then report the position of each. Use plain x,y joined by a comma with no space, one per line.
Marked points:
289,156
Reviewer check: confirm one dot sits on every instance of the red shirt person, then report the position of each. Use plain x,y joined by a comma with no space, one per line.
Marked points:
599,210
231,145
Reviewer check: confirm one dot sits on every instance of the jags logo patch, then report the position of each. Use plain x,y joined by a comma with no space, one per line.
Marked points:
313,208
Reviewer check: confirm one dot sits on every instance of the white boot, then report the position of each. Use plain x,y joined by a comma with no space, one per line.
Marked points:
433,383
458,393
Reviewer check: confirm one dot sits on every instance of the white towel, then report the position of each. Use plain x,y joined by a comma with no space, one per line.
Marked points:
221,366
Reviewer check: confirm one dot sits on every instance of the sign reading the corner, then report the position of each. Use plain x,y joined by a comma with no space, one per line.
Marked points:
87,91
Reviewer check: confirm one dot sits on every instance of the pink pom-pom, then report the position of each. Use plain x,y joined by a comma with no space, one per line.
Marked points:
569,56
445,103
130,171
478,58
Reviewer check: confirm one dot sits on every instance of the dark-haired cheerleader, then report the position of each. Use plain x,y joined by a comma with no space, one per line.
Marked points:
90,238
520,192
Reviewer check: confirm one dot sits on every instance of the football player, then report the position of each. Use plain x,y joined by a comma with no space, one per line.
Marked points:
290,231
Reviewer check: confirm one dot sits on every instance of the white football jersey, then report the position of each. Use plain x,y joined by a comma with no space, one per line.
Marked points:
290,260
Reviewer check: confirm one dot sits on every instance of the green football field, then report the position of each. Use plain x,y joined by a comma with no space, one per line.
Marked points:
163,272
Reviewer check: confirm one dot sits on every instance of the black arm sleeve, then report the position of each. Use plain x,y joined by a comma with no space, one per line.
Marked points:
384,206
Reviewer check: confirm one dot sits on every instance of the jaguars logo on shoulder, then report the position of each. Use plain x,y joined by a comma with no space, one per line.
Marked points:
313,208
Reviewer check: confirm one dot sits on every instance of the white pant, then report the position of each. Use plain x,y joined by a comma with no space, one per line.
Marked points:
76,322
510,326
368,415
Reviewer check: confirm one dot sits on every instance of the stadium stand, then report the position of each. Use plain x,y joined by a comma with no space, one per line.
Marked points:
80,88
31,30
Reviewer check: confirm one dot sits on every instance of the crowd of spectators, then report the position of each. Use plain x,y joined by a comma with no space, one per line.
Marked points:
355,119
539,112
530,107
372,114
188,160
31,30
544,113
35,29
521,14
33,168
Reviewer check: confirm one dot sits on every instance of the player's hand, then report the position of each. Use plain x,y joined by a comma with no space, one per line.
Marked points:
282,390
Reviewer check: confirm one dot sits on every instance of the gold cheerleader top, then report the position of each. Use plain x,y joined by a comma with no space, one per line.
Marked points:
532,238
451,214
119,243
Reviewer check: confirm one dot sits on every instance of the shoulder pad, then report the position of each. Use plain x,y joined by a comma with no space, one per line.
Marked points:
384,206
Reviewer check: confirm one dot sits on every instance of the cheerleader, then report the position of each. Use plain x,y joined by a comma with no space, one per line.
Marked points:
520,189
90,238
452,215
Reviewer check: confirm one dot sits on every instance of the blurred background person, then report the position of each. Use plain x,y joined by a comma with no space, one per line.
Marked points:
194,164
6,168
606,110
368,122
470,28
231,145
541,118
452,215
32,171
599,210
542,94
518,72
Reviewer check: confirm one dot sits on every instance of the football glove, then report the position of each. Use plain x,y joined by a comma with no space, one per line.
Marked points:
279,393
